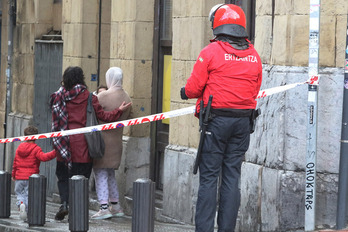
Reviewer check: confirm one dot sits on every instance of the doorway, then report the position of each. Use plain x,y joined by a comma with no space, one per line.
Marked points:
161,86
48,75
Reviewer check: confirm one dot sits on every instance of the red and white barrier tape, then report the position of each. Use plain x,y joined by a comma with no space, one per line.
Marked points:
151,118
314,80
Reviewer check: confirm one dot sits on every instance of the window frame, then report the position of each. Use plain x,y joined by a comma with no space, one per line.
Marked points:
248,7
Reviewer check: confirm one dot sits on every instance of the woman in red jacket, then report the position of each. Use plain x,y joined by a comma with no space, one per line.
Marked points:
69,106
27,162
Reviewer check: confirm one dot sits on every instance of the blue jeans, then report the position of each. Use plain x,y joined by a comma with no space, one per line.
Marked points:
223,151
21,190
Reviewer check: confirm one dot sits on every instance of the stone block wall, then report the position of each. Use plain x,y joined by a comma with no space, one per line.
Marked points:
16,124
131,48
191,32
31,23
3,79
134,165
180,192
80,31
287,42
33,19
273,174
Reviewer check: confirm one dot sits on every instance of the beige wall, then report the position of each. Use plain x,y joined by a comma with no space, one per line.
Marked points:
289,44
3,67
80,31
34,18
131,49
127,42
286,46
191,32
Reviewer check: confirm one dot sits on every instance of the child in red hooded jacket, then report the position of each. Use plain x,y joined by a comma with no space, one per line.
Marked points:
27,162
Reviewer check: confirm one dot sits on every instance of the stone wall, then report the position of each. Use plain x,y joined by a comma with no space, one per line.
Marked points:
131,48
126,41
80,31
15,126
287,42
273,174
33,19
134,165
181,186
3,79
191,32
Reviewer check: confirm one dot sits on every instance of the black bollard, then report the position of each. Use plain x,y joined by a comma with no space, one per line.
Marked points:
78,203
5,194
37,200
143,206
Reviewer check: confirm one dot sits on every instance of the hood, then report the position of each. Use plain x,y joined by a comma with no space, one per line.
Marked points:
82,97
230,50
114,77
24,149
56,97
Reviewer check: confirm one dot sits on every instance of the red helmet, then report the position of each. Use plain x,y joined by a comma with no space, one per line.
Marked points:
228,19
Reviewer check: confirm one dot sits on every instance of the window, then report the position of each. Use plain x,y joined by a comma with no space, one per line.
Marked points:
248,7
166,21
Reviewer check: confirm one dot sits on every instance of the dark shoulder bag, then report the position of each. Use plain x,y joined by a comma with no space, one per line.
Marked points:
96,146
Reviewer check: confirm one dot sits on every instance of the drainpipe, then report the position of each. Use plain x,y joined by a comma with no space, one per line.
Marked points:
99,41
343,174
11,22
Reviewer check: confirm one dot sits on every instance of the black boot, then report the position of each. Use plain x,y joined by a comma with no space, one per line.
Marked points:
63,211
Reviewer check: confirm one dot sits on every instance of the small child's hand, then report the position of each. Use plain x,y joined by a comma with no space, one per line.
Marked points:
13,179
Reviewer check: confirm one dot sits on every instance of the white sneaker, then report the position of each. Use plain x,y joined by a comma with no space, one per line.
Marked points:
102,214
22,212
116,210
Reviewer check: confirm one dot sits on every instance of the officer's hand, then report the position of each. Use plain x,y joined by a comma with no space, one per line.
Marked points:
183,94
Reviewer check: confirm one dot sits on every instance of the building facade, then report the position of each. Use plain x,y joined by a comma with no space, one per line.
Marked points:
156,43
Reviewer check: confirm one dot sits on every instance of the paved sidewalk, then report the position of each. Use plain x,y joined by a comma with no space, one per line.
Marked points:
122,224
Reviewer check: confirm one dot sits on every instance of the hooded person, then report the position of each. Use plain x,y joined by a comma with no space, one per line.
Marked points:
230,70
104,168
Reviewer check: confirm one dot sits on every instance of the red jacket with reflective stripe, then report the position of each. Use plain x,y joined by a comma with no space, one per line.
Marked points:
232,76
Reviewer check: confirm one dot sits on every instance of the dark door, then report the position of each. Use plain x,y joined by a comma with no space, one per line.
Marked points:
48,75
161,86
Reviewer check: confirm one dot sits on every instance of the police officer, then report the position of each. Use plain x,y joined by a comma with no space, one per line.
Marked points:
230,70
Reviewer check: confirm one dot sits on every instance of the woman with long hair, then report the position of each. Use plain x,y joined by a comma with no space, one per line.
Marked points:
69,111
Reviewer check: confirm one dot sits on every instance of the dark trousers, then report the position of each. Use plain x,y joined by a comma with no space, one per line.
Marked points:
225,144
63,174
